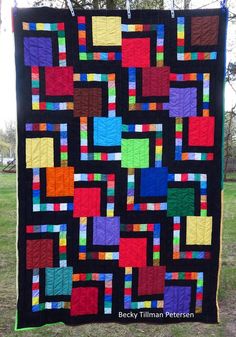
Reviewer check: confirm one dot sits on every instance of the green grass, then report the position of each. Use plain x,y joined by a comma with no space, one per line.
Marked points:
227,293
231,176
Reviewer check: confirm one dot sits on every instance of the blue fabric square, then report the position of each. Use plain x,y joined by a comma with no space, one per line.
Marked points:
154,182
177,299
107,131
38,51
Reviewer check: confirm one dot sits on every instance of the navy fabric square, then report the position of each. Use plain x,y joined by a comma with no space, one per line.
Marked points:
154,182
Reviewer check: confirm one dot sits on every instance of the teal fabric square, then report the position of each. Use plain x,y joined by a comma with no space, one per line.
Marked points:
58,281
107,131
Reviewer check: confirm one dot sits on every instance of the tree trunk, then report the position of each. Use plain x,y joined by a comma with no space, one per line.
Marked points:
111,4
187,4
95,4
161,5
228,140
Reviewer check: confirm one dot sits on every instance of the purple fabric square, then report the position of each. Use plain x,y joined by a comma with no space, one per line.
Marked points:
38,51
177,299
106,231
183,102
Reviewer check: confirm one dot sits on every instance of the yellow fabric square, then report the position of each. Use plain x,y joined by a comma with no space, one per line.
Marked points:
199,230
106,30
40,26
39,152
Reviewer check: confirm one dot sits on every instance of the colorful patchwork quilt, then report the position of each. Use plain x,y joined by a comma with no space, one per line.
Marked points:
119,165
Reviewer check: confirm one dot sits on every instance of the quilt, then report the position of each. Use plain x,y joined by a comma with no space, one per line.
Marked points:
119,165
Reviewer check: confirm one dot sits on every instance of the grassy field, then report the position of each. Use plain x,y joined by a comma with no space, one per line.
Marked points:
227,296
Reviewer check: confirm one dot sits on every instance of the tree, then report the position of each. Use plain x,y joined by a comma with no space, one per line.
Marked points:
10,137
102,4
187,4
230,121
230,138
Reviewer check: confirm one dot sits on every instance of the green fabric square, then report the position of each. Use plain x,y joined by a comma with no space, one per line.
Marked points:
180,201
58,281
135,153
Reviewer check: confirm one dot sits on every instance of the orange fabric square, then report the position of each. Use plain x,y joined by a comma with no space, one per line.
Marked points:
60,181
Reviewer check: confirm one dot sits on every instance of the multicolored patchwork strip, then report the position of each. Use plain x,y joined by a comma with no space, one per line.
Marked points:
196,276
111,81
133,104
201,77
177,253
94,255
100,277
160,35
157,128
59,28
182,55
109,179
196,177
48,305
37,104
84,150
128,303
62,230
153,228
144,206
49,127
45,207
179,153
84,54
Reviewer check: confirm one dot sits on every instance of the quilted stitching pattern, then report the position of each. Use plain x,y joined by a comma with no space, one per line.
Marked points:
199,230
119,165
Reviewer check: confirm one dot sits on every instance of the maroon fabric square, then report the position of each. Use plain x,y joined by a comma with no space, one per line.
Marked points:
84,301
59,81
151,280
87,102
39,253
156,81
204,30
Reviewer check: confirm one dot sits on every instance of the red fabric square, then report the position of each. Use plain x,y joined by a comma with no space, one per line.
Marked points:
151,280
136,52
59,81
133,252
84,301
39,253
156,81
87,201
201,131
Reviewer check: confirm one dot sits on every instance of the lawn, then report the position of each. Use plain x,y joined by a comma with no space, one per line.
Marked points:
227,294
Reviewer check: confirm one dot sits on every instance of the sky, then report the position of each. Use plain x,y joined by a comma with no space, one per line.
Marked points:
7,65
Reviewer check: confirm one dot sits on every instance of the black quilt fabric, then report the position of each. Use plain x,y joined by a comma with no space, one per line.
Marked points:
119,165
